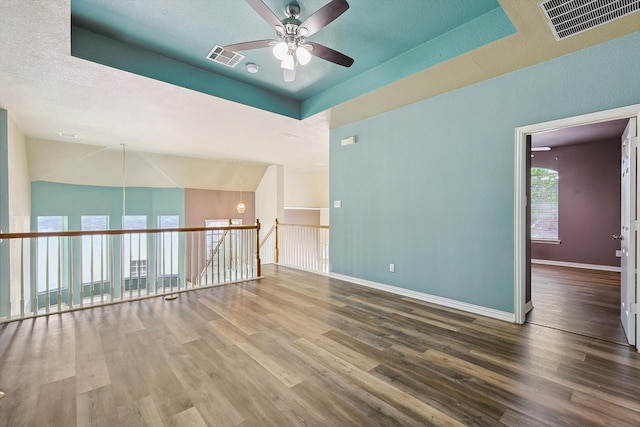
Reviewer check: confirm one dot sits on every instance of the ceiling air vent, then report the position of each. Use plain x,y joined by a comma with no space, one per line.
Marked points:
224,57
570,17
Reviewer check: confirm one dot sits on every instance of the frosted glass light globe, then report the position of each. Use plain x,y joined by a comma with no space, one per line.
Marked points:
280,50
303,55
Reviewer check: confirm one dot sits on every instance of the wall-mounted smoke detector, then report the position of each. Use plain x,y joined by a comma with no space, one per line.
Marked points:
224,57
570,17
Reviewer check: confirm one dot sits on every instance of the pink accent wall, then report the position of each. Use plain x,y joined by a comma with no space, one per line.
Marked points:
200,205
589,202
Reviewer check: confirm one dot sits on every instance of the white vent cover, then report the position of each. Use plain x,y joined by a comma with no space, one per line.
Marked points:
570,17
224,57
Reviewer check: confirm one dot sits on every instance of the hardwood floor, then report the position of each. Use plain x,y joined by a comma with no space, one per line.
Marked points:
300,349
585,302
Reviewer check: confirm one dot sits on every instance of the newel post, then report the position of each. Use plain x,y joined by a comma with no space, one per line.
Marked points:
259,263
277,247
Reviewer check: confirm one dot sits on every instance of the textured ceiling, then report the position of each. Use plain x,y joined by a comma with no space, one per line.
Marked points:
46,90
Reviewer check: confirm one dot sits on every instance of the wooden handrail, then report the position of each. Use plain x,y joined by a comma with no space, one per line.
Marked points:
120,232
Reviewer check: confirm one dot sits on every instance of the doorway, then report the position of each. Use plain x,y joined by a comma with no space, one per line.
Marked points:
522,260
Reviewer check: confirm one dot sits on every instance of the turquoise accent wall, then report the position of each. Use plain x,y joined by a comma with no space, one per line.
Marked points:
430,186
4,209
73,201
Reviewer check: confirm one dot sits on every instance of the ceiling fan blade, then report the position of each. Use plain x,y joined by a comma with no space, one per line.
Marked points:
264,11
256,44
289,75
324,16
330,55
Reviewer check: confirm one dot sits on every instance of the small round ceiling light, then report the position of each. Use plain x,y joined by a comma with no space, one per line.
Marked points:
252,68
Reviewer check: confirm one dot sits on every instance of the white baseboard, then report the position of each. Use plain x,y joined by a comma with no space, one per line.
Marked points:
528,307
446,302
576,265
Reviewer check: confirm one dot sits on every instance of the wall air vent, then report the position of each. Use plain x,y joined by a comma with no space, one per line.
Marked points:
224,57
570,17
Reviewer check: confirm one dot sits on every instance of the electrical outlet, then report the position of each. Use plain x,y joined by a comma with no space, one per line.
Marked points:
392,268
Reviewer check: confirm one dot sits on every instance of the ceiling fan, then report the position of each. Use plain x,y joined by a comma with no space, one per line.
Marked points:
291,45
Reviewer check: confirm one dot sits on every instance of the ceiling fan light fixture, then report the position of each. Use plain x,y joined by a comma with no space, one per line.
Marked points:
280,50
303,55
288,63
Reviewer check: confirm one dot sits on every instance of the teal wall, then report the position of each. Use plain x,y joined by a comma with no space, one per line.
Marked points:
73,201
4,209
430,186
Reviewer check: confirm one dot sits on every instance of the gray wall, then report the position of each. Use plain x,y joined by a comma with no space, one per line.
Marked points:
589,203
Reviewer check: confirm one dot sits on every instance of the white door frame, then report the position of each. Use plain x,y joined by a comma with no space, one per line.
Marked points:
520,201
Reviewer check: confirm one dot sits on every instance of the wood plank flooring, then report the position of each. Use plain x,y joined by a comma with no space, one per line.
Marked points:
297,349
585,302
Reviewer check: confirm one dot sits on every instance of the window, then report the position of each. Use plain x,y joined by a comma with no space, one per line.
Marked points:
50,264
168,246
95,260
544,204
138,268
135,246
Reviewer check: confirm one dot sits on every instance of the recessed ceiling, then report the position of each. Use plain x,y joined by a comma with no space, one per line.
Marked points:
169,40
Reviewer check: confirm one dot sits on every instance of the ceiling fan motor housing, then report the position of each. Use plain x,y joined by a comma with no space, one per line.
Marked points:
292,10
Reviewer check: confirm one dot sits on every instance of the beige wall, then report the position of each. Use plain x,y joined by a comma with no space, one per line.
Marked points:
270,197
19,201
306,189
84,164
324,216
200,205
302,216
19,182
